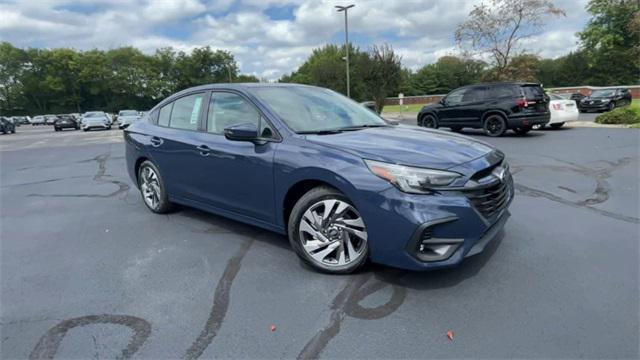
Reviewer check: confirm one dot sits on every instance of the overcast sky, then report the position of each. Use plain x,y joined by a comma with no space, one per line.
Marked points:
267,37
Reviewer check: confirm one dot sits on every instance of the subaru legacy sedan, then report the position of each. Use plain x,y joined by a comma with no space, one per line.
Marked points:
342,183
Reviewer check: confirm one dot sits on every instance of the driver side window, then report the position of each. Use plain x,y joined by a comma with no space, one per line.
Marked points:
455,97
228,109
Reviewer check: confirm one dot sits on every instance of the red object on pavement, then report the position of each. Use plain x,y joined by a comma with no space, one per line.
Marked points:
272,328
450,335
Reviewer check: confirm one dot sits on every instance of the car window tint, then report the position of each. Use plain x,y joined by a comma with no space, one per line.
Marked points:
165,114
532,92
227,109
503,91
186,111
455,97
472,95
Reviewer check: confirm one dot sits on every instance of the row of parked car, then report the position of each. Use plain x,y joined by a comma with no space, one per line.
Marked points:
87,121
520,107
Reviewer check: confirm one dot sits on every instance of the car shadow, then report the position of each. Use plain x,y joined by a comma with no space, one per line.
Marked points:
416,280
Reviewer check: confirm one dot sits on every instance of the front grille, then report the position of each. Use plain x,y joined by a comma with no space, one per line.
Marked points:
493,199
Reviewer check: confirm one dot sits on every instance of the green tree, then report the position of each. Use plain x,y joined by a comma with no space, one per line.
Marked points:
448,73
611,40
384,74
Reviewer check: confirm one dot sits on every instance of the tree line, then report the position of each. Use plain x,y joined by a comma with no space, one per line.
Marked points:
38,81
42,81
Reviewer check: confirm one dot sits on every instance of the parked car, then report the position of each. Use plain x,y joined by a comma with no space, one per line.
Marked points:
21,120
38,120
371,105
495,108
7,126
66,122
127,117
340,181
562,111
95,120
605,100
50,119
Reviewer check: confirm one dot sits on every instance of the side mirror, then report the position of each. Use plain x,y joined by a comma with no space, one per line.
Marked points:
242,132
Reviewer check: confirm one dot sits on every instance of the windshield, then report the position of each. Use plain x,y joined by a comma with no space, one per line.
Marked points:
128,113
312,109
558,97
603,93
93,114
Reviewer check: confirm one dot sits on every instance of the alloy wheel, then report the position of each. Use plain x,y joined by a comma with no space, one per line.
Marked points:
430,122
495,126
150,187
332,233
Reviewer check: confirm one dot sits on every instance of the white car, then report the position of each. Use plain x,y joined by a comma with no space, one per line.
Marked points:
562,111
127,117
95,120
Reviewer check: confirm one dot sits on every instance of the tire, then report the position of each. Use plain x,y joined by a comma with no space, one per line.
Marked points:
456,128
494,125
308,233
429,121
13,131
85,129
556,125
152,189
611,106
522,131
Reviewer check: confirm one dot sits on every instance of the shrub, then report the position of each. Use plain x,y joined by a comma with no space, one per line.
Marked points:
623,115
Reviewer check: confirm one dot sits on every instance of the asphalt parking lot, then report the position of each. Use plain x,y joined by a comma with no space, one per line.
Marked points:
88,272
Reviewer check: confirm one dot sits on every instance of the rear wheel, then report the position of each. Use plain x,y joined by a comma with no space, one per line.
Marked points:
327,232
557,125
429,121
152,188
494,125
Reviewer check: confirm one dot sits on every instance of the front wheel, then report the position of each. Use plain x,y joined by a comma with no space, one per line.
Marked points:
495,125
429,121
152,188
327,232
611,106
557,125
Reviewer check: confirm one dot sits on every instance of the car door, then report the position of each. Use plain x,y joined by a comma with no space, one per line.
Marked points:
236,176
173,144
463,106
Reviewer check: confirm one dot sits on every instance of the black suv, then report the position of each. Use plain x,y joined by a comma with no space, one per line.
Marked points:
495,108
605,100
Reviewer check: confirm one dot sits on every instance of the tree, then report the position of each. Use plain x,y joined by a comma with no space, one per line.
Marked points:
448,73
498,28
384,75
611,40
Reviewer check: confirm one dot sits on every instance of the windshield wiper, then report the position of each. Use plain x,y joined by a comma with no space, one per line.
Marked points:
365,126
320,132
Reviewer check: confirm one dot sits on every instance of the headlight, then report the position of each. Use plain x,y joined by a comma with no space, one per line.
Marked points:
605,100
411,179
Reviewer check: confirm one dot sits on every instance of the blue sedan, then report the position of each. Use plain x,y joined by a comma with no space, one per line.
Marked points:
345,185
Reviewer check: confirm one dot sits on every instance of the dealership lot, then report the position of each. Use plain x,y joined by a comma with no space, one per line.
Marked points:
87,271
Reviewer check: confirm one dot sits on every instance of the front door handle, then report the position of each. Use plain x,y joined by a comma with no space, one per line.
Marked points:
156,141
204,150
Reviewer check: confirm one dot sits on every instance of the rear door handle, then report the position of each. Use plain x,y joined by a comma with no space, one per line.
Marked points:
156,141
204,150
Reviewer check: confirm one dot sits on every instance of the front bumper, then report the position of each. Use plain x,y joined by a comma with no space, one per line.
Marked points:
88,126
594,107
397,223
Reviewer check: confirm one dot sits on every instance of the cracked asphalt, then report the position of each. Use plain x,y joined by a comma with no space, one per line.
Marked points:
88,272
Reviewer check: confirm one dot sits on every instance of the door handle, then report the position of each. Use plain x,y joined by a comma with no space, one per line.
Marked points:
204,150
156,141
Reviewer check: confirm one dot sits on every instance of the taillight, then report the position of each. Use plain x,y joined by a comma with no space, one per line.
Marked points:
522,102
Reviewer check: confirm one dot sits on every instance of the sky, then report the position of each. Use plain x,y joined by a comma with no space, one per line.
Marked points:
268,38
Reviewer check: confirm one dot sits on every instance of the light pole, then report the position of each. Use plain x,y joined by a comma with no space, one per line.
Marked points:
346,36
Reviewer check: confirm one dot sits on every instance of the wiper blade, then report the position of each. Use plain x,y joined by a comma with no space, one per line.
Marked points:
320,132
365,126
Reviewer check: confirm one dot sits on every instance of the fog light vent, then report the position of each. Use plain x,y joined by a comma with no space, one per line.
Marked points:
436,249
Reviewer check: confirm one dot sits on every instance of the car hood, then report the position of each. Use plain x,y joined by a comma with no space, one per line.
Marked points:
407,145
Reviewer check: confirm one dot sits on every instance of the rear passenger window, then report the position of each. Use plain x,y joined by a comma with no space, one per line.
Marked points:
165,114
473,95
503,91
532,92
186,112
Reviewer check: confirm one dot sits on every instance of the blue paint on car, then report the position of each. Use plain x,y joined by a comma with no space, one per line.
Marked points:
389,173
